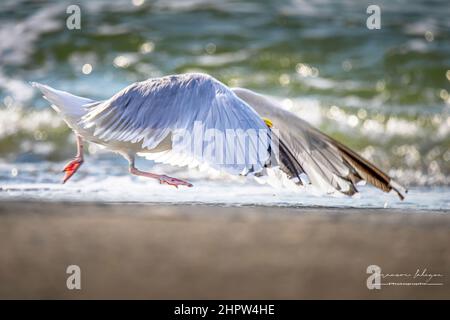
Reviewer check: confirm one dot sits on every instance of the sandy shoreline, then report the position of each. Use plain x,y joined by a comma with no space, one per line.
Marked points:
189,252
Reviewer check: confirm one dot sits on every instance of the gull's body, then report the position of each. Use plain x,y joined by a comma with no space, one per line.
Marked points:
146,118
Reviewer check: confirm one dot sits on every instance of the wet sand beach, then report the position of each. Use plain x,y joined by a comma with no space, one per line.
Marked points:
150,251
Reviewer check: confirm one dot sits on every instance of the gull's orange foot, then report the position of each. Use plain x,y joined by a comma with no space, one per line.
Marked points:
71,168
173,181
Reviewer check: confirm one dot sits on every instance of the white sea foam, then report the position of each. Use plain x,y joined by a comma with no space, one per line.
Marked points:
129,189
109,181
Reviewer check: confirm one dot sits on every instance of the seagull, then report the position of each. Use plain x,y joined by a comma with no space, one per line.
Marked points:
194,120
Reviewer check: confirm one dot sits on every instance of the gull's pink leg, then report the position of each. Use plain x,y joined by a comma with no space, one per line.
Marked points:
162,178
76,163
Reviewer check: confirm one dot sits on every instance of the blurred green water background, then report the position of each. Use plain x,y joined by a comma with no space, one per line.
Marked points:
383,92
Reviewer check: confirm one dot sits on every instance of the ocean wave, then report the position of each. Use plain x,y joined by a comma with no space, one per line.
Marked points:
406,146
384,93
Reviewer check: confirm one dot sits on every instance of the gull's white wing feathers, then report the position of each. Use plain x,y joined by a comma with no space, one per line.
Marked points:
328,164
182,108
158,119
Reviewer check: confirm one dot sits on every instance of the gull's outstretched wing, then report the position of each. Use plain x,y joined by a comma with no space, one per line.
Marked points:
199,115
329,164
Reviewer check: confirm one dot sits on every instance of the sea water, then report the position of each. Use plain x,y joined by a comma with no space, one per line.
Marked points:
384,93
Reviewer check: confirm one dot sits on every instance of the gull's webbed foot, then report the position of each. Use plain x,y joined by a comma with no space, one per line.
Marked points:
163,179
71,168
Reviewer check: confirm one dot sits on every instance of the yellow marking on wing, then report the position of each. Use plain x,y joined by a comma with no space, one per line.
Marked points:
268,122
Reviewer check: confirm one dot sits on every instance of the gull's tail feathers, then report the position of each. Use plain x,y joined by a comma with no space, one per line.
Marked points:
71,107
